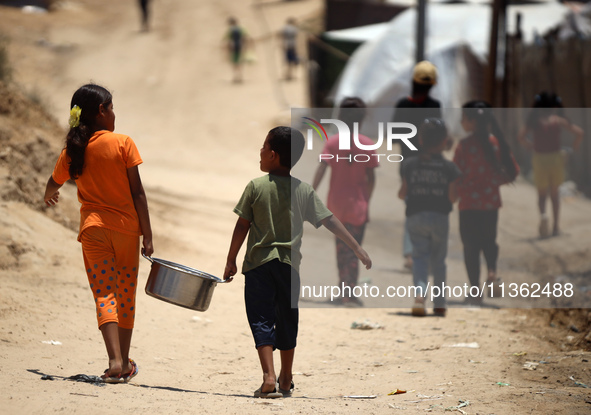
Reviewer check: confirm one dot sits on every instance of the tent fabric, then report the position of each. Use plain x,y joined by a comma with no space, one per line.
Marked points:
457,38
358,34
576,24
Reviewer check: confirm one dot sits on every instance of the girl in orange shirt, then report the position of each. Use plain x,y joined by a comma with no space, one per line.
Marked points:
113,214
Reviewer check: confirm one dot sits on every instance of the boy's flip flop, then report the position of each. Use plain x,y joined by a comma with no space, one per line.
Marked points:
134,371
286,393
268,395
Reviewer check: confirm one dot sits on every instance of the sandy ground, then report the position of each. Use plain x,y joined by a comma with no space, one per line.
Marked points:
199,136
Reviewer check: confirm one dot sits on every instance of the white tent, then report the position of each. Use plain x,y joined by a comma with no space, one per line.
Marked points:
457,40
359,34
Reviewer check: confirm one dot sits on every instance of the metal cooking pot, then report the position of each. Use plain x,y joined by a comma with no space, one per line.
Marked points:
180,285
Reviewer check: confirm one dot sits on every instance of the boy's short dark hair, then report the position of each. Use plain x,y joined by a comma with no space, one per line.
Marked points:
288,143
352,110
433,132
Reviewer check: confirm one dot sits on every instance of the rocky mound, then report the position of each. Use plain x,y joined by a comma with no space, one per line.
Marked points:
30,141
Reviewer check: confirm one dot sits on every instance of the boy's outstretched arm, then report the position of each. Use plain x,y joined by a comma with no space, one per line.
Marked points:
238,237
335,226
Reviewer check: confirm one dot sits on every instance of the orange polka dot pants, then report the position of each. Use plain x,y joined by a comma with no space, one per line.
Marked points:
112,259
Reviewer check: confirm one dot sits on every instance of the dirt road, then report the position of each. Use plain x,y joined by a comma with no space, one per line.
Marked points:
199,135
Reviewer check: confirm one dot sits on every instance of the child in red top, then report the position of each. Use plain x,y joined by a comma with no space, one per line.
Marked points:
486,163
114,213
351,187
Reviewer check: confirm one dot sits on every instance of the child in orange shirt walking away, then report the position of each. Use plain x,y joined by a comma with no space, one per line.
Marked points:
114,213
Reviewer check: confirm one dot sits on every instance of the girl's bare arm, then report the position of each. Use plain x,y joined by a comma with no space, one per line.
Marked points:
141,206
578,133
52,192
572,128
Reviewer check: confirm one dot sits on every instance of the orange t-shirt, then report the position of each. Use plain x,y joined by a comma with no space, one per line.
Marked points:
103,186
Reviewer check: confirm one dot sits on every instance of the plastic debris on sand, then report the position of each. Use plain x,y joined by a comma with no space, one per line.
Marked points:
472,345
366,325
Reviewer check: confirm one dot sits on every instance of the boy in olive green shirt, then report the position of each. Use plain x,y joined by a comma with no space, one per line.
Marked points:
271,212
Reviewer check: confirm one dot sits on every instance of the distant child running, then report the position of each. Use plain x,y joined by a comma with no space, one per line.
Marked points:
272,211
145,12
237,41
428,186
486,163
289,35
544,126
113,215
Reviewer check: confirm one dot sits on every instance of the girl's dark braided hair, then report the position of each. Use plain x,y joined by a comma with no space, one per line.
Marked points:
88,98
486,124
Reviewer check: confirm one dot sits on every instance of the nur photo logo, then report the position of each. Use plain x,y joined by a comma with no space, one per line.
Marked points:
323,135
390,132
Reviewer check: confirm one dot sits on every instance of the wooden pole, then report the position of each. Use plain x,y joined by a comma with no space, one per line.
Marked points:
504,99
490,80
421,18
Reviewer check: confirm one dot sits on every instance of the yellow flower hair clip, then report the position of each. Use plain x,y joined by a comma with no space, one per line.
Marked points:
75,116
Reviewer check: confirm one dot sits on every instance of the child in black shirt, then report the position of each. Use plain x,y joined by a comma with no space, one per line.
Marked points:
429,190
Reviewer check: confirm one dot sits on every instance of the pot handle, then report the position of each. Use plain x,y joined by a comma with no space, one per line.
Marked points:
147,257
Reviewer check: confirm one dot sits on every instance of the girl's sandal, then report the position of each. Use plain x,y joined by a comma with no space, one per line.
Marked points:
111,379
134,371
